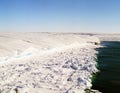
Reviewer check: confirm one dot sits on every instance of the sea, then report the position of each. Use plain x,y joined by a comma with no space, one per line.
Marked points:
108,79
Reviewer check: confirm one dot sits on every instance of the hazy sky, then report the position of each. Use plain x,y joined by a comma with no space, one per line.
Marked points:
60,15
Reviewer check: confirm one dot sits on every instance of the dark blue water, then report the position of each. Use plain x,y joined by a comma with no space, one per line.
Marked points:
108,79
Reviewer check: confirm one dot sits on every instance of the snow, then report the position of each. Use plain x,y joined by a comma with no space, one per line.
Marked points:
46,62
108,37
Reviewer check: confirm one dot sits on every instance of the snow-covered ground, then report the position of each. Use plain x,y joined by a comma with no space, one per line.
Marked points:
46,62
108,37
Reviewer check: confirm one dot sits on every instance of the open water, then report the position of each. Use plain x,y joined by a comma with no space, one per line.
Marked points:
108,79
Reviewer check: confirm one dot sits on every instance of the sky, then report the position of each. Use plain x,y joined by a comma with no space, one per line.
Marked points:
100,16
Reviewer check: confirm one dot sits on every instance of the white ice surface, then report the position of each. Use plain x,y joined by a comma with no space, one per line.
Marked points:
41,62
